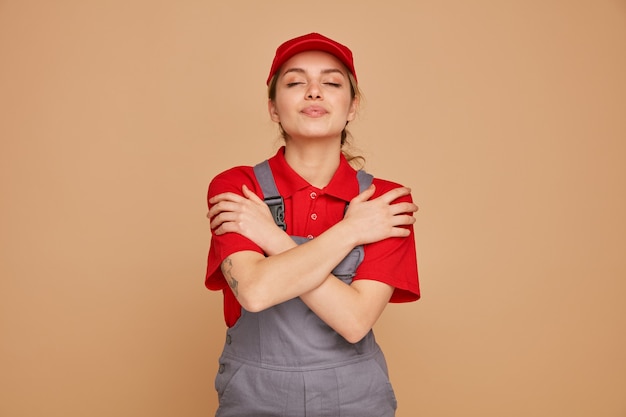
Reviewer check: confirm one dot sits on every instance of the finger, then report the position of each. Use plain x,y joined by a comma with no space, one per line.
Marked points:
394,194
403,220
404,207
225,228
222,218
216,221
365,195
400,232
250,194
223,206
215,210
225,197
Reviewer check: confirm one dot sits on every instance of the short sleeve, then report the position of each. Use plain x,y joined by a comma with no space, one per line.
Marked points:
224,245
394,260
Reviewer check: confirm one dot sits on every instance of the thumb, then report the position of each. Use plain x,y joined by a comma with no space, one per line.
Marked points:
249,194
365,195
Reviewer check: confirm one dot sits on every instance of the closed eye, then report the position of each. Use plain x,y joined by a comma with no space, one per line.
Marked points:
333,84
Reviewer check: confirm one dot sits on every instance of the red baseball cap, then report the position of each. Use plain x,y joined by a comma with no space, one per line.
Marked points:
311,42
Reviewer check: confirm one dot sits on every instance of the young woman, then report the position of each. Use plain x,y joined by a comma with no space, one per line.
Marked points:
308,252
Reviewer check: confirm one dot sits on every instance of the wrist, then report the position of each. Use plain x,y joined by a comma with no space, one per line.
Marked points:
345,232
277,242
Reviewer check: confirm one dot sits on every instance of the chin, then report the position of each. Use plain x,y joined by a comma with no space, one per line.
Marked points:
317,134
321,137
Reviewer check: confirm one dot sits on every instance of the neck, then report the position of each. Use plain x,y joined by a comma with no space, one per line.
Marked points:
315,162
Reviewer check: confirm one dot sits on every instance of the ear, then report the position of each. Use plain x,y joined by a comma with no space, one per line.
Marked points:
273,111
354,107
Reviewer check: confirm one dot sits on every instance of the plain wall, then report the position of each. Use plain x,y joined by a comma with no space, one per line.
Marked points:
507,119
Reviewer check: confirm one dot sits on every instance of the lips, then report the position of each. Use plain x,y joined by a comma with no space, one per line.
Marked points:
314,111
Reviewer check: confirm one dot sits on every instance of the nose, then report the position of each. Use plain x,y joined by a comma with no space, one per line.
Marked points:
314,92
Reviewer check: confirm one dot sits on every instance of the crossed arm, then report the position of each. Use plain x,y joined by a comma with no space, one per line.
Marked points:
304,271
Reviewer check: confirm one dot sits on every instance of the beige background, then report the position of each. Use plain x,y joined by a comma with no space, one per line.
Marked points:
506,118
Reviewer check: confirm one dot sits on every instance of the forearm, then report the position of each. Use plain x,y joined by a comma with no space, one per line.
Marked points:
290,271
350,310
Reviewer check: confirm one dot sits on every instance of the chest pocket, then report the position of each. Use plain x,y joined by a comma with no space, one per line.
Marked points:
347,267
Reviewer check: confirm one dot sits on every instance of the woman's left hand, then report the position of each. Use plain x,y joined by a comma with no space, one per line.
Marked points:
245,214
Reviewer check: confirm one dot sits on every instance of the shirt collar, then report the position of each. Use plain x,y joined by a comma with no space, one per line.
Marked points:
343,184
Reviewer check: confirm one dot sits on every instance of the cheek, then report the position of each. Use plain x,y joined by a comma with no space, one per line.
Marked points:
284,103
344,100
279,110
350,108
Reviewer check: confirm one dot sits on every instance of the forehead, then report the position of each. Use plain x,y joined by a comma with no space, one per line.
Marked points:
314,61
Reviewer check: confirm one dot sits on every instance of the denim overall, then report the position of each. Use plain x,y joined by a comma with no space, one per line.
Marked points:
286,362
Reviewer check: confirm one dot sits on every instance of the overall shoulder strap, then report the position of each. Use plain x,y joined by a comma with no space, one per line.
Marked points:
271,196
365,180
275,201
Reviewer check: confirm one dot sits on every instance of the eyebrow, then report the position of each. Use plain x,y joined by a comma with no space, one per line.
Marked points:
324,71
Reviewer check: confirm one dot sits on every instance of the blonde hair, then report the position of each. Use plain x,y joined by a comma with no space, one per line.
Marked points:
356,161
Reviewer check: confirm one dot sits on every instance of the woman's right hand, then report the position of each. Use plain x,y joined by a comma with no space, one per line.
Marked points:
246,215
380,218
